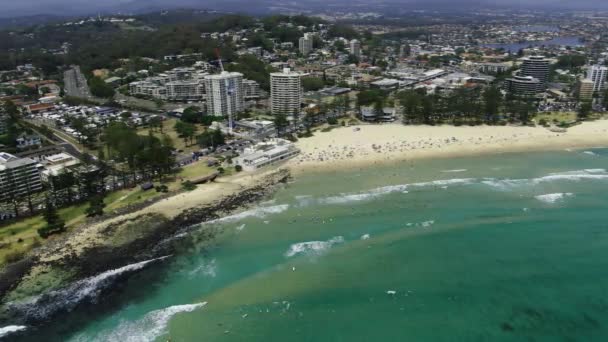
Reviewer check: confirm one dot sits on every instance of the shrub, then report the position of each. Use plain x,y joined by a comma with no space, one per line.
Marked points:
161,188
238,168
188,186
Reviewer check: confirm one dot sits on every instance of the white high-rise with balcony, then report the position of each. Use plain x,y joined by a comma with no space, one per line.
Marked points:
285,92
597,74
224,93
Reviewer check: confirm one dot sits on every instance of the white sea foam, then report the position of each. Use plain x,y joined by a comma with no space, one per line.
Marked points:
454,171
427,224
591,153
312,247
241,227
208,269
147,329
402,188
595,170
552,198
444,182
577,175
70,296
9,329
259,212
365,237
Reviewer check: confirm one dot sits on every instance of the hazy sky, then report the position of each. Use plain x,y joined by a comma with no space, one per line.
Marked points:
28,7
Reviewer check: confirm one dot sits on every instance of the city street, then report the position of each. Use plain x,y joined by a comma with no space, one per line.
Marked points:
75,83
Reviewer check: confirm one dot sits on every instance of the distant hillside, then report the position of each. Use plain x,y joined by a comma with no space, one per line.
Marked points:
7,23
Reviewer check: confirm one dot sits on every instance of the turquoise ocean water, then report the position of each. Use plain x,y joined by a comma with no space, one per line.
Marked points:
512,247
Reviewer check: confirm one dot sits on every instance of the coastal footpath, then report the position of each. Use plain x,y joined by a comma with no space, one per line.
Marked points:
59,276
366,145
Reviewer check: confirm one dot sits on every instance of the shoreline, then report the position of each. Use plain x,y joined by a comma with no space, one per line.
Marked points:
368,145
102,250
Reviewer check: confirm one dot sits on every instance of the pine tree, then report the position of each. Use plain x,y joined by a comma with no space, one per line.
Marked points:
54,223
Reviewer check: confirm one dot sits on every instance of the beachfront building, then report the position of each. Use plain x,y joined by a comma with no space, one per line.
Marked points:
224,93
372,114
355,48
536,67
524,86
306,44
597,74
285,92
18,177
266,153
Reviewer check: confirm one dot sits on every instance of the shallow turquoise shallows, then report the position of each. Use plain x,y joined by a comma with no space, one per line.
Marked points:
512,247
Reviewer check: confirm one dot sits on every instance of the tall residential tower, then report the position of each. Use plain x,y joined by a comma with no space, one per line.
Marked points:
306,44
536,67
285,92
224,93
597,74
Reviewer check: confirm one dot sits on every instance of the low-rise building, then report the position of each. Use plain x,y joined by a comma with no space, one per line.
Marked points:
266,153
386,84
25,140
372,114
55,164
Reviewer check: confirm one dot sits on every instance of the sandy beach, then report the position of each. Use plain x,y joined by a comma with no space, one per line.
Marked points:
365,145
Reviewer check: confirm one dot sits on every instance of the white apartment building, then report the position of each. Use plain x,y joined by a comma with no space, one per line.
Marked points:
179,84
224,93
18,176
285,92
185,90
597,74
306,44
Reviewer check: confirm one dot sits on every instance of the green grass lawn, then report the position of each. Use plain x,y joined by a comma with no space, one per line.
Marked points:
556,117
22,236
196,170
168,129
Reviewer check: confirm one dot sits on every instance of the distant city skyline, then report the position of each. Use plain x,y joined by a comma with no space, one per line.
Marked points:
83,7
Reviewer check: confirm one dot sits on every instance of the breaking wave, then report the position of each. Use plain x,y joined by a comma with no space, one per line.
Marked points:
68,298
9,329
147,329
552,198
259,212
377,192
312,247
578,175
502,184
454,171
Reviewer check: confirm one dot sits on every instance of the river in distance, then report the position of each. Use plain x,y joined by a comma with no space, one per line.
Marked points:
508,247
